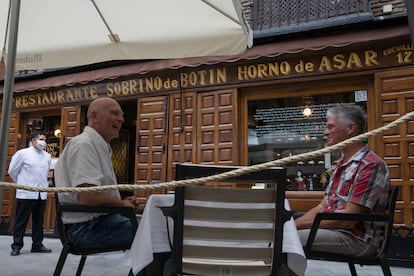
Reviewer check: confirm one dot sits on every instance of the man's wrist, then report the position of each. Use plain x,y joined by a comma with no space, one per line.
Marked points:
320,208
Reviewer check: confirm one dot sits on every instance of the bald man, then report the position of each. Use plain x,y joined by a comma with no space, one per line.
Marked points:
86,161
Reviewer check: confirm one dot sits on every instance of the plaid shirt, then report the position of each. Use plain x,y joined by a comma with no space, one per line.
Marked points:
363,180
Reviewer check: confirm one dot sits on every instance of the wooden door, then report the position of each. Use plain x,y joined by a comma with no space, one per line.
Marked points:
152,124
70,124
184,127
182,141
203,129
217,127
395,97
8,210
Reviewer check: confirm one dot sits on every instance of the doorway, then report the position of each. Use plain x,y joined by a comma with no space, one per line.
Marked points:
123,148
47,121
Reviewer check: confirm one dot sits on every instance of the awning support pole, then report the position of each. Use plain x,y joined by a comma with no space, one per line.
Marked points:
8,90
113,36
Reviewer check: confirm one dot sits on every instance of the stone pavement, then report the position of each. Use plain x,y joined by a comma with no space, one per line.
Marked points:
118,263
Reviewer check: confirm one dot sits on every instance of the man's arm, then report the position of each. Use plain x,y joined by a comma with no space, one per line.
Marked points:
102,198
15,166
345,224
305,221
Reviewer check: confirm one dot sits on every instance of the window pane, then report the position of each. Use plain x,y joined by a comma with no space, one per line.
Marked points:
283,127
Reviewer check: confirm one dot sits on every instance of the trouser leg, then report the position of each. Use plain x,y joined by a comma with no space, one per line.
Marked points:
327,240
103,231
37,223
23,211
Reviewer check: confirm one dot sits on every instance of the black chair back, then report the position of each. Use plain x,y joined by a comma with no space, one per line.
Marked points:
199,259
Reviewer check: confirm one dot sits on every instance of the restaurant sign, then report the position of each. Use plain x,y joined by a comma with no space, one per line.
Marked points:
396,54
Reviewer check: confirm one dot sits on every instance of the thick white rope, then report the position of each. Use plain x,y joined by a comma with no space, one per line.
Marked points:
221,176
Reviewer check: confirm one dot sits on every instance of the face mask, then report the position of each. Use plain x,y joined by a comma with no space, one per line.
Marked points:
40,144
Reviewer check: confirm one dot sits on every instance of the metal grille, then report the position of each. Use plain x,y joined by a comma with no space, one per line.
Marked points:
271,14
120,156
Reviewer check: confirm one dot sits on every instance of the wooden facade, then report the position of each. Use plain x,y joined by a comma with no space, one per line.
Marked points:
199,114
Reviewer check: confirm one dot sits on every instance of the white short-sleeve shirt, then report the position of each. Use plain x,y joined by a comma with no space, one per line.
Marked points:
86,159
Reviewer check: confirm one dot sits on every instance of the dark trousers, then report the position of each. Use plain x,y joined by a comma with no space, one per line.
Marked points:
25,208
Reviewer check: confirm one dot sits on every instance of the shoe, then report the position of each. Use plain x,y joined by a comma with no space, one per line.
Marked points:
15,252
41,249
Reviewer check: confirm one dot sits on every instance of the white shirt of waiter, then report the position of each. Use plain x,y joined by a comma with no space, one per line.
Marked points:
30,167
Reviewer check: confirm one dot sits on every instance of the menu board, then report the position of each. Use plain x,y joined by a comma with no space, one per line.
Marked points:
289,123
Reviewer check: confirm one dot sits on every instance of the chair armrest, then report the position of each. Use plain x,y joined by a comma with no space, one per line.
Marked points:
298,214
96,209
340,216
126,211
349,216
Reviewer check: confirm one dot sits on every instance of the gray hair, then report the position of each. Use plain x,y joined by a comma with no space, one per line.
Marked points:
349,113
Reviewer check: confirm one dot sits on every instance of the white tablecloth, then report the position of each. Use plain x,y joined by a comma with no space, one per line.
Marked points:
151,237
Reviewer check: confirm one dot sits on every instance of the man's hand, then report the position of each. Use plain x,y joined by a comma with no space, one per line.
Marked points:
130,201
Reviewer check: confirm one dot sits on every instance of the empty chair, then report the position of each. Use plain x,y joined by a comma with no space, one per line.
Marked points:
228,231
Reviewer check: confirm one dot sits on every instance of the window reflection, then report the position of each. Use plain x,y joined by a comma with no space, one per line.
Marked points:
283,127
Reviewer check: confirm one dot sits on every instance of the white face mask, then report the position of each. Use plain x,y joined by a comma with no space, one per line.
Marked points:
40,144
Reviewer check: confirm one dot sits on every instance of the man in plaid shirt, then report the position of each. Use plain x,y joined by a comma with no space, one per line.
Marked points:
359,184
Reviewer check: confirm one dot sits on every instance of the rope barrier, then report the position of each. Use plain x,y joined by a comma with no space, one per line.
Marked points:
230,174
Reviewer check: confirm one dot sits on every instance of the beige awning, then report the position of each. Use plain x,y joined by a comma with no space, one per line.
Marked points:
67,33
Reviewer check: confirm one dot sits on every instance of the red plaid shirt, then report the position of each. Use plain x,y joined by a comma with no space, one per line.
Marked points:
363,180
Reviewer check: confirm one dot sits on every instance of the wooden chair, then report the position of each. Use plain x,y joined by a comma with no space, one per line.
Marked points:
69,248
379,259
209,238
